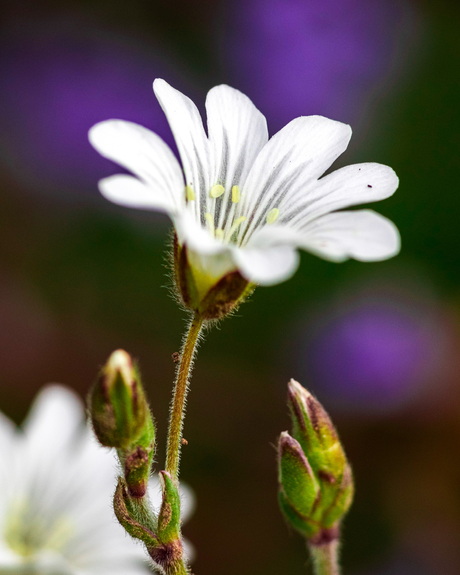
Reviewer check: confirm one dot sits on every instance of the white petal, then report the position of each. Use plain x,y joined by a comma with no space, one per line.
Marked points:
349,186
55,418
187,501
7,432
10,454
143,153
363,235
293,158
131,192
237,132
267,265
155,492
187,127
189,550
187,497
9,560
196,237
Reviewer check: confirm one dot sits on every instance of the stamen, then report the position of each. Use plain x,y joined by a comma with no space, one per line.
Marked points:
272,215
217,191
210,220
236,194
189,193
219,233
236,224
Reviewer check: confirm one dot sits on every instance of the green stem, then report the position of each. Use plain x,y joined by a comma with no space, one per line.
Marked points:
325,557
176,419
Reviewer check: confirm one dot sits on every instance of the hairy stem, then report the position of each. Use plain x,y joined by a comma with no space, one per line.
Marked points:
178,568
176,419
325,558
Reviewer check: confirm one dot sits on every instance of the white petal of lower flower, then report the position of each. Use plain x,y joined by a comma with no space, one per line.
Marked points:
187,502
8,559
55,500
267,265
292,159
54,420
131,192
143,153
7,437
192,143
363,235
7,465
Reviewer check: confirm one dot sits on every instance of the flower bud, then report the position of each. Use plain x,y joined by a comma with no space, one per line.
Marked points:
119,410
315,478
211,296
298,486
314,430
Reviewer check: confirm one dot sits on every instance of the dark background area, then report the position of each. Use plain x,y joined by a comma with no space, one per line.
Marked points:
377,343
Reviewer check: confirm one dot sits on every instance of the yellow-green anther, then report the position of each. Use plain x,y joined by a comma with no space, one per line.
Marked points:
236,195
219,233
217,191
273,215
189,193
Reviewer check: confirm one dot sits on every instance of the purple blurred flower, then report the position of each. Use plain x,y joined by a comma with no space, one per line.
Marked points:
375,353
298,57
58,79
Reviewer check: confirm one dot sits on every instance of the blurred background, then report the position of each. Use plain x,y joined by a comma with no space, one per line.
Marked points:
377,343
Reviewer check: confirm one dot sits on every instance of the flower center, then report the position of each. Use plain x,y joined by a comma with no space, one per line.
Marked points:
223,220
220,233
28,530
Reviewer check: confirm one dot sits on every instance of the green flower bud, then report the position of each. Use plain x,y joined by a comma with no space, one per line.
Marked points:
298,487
314,430
211,296
315,478
342,500
296,478
119,410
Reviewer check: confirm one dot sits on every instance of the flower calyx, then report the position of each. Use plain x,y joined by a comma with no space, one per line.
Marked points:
211,297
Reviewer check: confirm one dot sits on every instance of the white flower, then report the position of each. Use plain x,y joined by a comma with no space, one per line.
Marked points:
56,487
248,202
